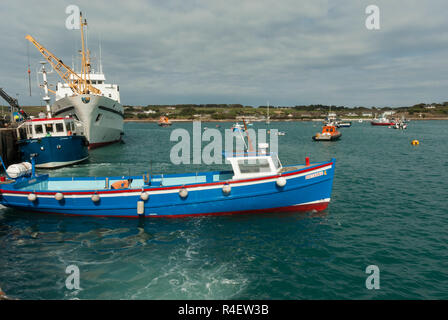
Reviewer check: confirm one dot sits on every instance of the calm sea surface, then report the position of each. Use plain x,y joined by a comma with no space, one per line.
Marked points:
389,208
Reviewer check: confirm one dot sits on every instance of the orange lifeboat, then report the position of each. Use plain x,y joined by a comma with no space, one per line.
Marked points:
329,133
164,121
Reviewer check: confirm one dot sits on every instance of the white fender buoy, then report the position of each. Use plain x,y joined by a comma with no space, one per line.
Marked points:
140,208
95,198
226,189
281,182
183,193
28,166
144,196
32,197
59,196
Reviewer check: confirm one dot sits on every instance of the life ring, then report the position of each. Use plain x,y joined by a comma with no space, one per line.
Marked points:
69,133
415,142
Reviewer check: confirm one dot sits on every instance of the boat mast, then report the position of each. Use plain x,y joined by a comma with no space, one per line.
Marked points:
268,121
46,98
101,63
83,55
29,70
251,149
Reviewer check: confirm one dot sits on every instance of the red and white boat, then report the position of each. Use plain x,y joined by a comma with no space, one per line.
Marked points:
382,121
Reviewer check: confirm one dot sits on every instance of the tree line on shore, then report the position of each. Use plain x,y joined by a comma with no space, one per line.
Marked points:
233,111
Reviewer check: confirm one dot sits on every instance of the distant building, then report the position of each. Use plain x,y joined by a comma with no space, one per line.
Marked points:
367,114
247,118
352,114
430,107
149,112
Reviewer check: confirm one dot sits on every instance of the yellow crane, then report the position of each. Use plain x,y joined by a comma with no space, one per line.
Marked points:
78,84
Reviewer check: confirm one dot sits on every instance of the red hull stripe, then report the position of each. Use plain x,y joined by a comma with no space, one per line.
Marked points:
176,187
48,119
101,144
297,208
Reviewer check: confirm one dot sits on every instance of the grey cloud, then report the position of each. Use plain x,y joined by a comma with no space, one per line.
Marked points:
288,52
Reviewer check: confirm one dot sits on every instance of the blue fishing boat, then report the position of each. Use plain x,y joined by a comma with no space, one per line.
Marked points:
53,142
258,182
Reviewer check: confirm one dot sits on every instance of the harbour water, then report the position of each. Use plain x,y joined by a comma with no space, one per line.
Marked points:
388,209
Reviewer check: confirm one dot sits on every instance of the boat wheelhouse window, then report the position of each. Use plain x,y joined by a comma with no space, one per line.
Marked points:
251,166
38,128
59,127
49,128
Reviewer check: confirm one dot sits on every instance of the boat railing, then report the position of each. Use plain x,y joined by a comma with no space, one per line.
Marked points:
227,154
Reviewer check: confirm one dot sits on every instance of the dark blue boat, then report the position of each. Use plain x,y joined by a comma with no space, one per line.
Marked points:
53,142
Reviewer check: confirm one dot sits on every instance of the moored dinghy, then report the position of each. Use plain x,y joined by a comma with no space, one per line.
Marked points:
257,183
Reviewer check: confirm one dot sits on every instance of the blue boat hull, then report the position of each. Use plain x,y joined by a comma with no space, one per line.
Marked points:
306,189
55,152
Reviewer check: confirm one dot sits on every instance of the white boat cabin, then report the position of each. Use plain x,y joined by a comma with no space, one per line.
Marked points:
254,164
50,127
97,80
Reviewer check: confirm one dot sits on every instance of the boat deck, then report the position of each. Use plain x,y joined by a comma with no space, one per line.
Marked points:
103,183
157,181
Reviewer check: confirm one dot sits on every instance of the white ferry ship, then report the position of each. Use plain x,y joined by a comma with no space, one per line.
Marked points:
102,114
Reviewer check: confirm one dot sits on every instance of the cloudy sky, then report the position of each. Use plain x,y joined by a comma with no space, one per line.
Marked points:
287,52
